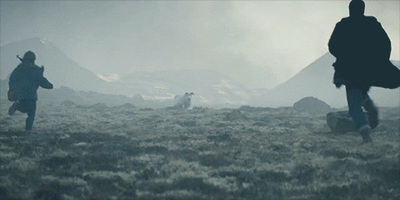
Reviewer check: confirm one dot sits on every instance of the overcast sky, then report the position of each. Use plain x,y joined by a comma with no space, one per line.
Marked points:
258,43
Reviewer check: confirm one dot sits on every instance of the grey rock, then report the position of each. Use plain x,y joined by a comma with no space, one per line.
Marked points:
340,122
312,105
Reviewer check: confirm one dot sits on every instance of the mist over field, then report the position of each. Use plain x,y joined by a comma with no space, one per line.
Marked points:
260,44
210,88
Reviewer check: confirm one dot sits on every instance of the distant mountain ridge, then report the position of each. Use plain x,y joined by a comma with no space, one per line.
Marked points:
211,88
59,68
316,80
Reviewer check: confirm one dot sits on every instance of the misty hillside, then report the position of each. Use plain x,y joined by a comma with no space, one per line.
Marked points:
316,80
59,68
67,96
210,88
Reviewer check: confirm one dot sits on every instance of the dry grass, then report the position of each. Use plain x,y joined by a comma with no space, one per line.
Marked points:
99,152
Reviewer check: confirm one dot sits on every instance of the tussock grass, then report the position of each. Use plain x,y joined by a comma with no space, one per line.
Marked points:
100,152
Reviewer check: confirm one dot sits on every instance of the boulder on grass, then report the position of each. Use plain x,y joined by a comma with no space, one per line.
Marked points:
312,105
340,122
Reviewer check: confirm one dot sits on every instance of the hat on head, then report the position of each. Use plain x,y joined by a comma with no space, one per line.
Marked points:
29,57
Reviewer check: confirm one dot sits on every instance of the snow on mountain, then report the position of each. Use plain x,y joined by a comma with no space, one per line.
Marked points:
108,77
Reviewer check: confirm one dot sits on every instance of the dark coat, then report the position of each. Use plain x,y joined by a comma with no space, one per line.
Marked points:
362,50
26,79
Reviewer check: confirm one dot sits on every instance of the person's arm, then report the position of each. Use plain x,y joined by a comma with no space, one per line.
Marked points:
335,42
42,81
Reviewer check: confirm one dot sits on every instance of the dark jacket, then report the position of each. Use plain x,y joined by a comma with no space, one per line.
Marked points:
362,50
26,79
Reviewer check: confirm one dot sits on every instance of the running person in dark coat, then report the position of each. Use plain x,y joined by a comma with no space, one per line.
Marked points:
362,50
25,81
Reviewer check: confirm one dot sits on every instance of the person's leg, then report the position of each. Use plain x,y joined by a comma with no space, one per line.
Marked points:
355,100
372,110
13,108
22,106
29,107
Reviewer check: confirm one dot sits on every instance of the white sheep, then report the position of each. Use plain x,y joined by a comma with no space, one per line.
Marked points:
183,101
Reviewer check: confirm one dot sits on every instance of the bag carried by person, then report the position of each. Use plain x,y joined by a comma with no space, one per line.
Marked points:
12,95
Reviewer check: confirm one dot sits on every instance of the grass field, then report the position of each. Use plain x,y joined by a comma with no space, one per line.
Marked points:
124,152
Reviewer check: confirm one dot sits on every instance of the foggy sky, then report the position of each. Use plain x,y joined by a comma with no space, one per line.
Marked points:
259,44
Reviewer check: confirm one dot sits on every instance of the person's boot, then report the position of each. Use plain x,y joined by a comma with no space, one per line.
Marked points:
13,108
372,113
365,132
28,127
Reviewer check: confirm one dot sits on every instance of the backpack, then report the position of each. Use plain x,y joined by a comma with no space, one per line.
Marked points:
12,95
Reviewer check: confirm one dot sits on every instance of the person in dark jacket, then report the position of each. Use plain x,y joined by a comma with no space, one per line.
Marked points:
25,81
362,50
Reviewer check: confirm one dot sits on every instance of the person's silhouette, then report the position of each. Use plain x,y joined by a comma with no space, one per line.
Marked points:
362,50
24,83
